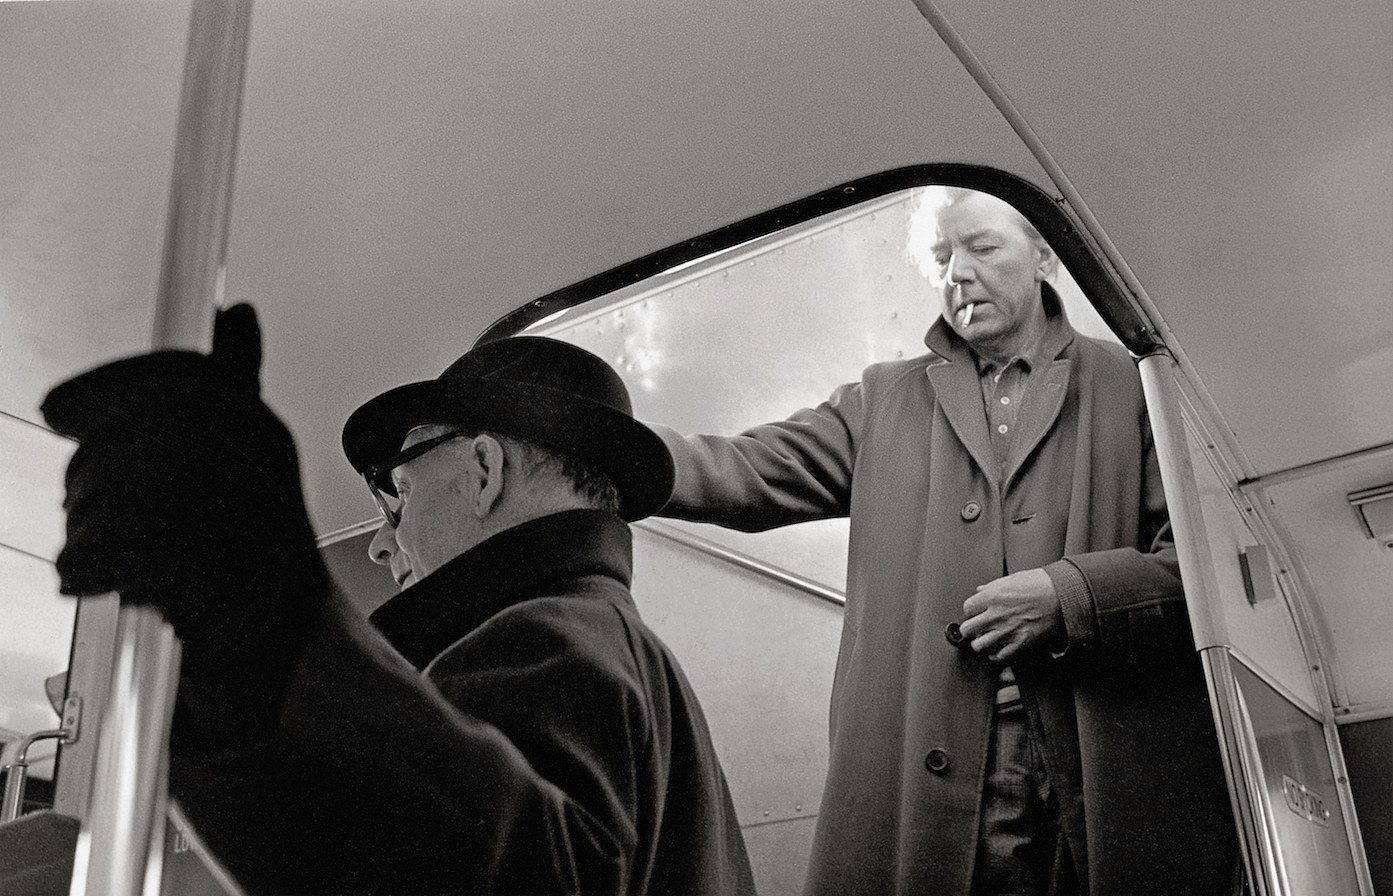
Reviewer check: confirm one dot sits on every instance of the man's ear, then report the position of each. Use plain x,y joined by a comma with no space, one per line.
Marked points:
486,461
1046,261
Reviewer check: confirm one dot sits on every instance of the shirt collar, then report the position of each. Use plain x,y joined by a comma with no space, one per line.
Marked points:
519,563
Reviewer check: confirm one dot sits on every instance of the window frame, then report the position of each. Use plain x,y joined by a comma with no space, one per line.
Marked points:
1046,213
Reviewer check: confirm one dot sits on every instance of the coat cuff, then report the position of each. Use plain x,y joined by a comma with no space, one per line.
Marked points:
1076,602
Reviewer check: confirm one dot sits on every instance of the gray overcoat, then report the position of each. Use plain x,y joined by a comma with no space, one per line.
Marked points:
904,452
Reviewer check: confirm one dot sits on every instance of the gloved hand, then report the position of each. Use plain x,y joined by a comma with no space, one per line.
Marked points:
184,492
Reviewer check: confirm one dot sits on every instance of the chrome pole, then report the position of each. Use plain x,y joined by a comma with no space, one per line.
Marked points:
121,843
1237,746
1182,500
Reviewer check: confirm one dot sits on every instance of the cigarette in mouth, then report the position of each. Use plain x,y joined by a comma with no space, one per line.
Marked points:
966,314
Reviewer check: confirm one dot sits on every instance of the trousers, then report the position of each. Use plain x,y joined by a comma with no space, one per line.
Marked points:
1021,847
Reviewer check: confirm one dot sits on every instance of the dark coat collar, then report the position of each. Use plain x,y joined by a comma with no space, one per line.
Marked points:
944,341
510,567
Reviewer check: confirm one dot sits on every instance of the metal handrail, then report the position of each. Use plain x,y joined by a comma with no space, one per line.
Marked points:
744,561
17,772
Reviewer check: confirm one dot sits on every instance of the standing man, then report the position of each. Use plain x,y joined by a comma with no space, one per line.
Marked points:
1017,706
528,734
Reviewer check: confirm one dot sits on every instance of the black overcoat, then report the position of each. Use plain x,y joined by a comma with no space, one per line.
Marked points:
536,738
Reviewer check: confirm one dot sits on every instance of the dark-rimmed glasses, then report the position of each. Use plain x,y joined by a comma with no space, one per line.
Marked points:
378,475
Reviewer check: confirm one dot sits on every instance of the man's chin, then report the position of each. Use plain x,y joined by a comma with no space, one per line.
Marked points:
979,333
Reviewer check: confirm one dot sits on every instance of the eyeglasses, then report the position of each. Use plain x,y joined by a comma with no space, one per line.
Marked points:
379,480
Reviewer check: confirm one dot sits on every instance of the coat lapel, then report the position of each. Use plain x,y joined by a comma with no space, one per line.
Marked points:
960,395
1040,408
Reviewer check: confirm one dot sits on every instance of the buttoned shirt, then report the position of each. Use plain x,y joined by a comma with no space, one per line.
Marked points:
1002,389
1005,386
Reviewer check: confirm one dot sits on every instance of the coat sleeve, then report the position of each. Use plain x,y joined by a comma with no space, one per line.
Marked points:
1140,620
378,781
771,475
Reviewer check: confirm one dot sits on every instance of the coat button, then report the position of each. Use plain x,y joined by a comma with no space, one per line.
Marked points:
955,635
971,510
936,761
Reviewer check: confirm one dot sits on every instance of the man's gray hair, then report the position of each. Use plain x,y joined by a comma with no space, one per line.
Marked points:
590,484
538,460
923,224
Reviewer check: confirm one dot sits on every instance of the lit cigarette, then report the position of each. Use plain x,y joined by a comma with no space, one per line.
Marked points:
966,314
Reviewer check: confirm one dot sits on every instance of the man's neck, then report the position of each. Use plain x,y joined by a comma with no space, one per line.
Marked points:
533,501
1019,343
1000,355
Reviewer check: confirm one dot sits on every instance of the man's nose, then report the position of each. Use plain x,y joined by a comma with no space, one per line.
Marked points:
383,545
957,270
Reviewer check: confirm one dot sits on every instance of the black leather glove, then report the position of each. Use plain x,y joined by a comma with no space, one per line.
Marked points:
184,492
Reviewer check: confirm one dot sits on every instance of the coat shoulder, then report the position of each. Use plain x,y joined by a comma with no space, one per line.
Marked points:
885,376
1101,361
1106,355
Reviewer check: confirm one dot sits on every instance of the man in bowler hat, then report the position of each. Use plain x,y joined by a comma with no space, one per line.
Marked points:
511,724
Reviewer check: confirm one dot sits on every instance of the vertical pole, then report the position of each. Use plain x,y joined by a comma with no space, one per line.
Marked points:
1237,746
1182,500
121,844
200,195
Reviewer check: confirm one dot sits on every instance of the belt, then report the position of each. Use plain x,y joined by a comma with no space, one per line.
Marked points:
1008,695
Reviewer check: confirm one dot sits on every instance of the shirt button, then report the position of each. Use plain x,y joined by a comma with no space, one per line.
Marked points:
1005,399
971,510
1002,429
936,761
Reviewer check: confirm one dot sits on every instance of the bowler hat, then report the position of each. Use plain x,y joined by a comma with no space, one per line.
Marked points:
549,392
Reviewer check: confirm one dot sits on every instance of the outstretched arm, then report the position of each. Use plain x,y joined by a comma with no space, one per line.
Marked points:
771,475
